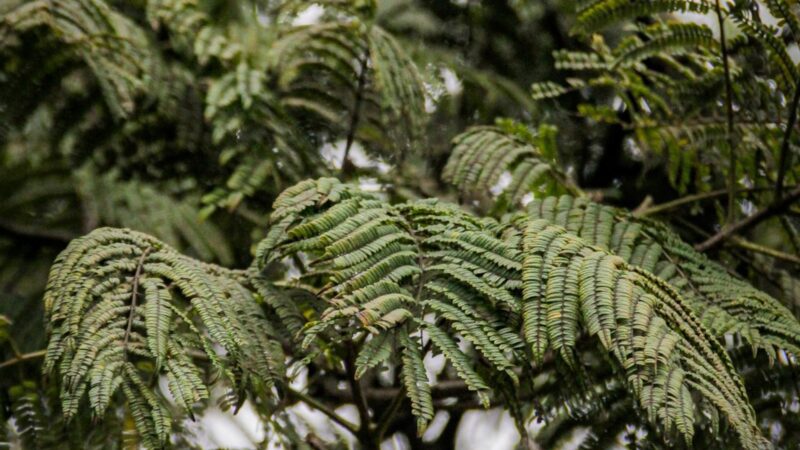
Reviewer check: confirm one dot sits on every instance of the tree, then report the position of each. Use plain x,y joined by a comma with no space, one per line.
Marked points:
281,203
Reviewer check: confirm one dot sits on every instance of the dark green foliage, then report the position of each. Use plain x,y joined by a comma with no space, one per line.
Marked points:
240,204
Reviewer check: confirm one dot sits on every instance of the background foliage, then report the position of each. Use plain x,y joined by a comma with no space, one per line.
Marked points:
361,221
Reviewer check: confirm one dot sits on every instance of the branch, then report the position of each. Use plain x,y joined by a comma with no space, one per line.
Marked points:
56,236
316,404
774,209
364,432
134,296
787,135
351,134
672,204
388,415
23,357
729,114
753,247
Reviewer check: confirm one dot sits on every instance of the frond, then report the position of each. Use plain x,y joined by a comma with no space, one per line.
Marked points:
256,136
142,207
634,315
505,160
191,31
725,304
376,265
382,269
114,48
602,13
664,39
343,71
117,300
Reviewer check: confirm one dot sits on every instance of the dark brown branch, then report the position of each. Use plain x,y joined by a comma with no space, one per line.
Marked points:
55,237
364,428
319,406
354,119
772,210
23,357
672,204
134,296
729,114
786,156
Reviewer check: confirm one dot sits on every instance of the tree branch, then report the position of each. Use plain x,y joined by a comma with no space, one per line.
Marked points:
773,209
351,133
55,237
364,429
23,357
672,204
729,114
319,406
134,296
753,247
786,156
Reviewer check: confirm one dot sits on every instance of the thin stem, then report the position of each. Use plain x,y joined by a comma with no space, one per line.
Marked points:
319,406
785,145
729,114
672,204
760,216
777,254
23,357
351,134
388,416
794,236
134,296
364,430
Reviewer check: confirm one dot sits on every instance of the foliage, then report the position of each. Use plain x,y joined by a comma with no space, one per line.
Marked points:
417,209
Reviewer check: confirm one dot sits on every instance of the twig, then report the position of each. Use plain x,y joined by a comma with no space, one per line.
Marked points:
54,236
351,133
672,204
787,135
316,404
760,216
364,432
752,246
729,114
134,296
794,236
388,415
23,357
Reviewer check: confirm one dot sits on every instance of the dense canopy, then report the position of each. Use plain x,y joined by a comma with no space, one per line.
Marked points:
358,223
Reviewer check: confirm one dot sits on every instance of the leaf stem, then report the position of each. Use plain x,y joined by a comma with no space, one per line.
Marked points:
351,134
23,357
672,204
134,296
785,155
316,404
364,429
760,216
729,114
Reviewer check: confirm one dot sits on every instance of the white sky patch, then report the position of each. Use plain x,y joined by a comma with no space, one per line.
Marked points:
217,428
794,52
617,103
486,430
502,183
333,152
709,19
436,426
433,366
369,184
748,207
452,84
398,441
309,16
527,198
